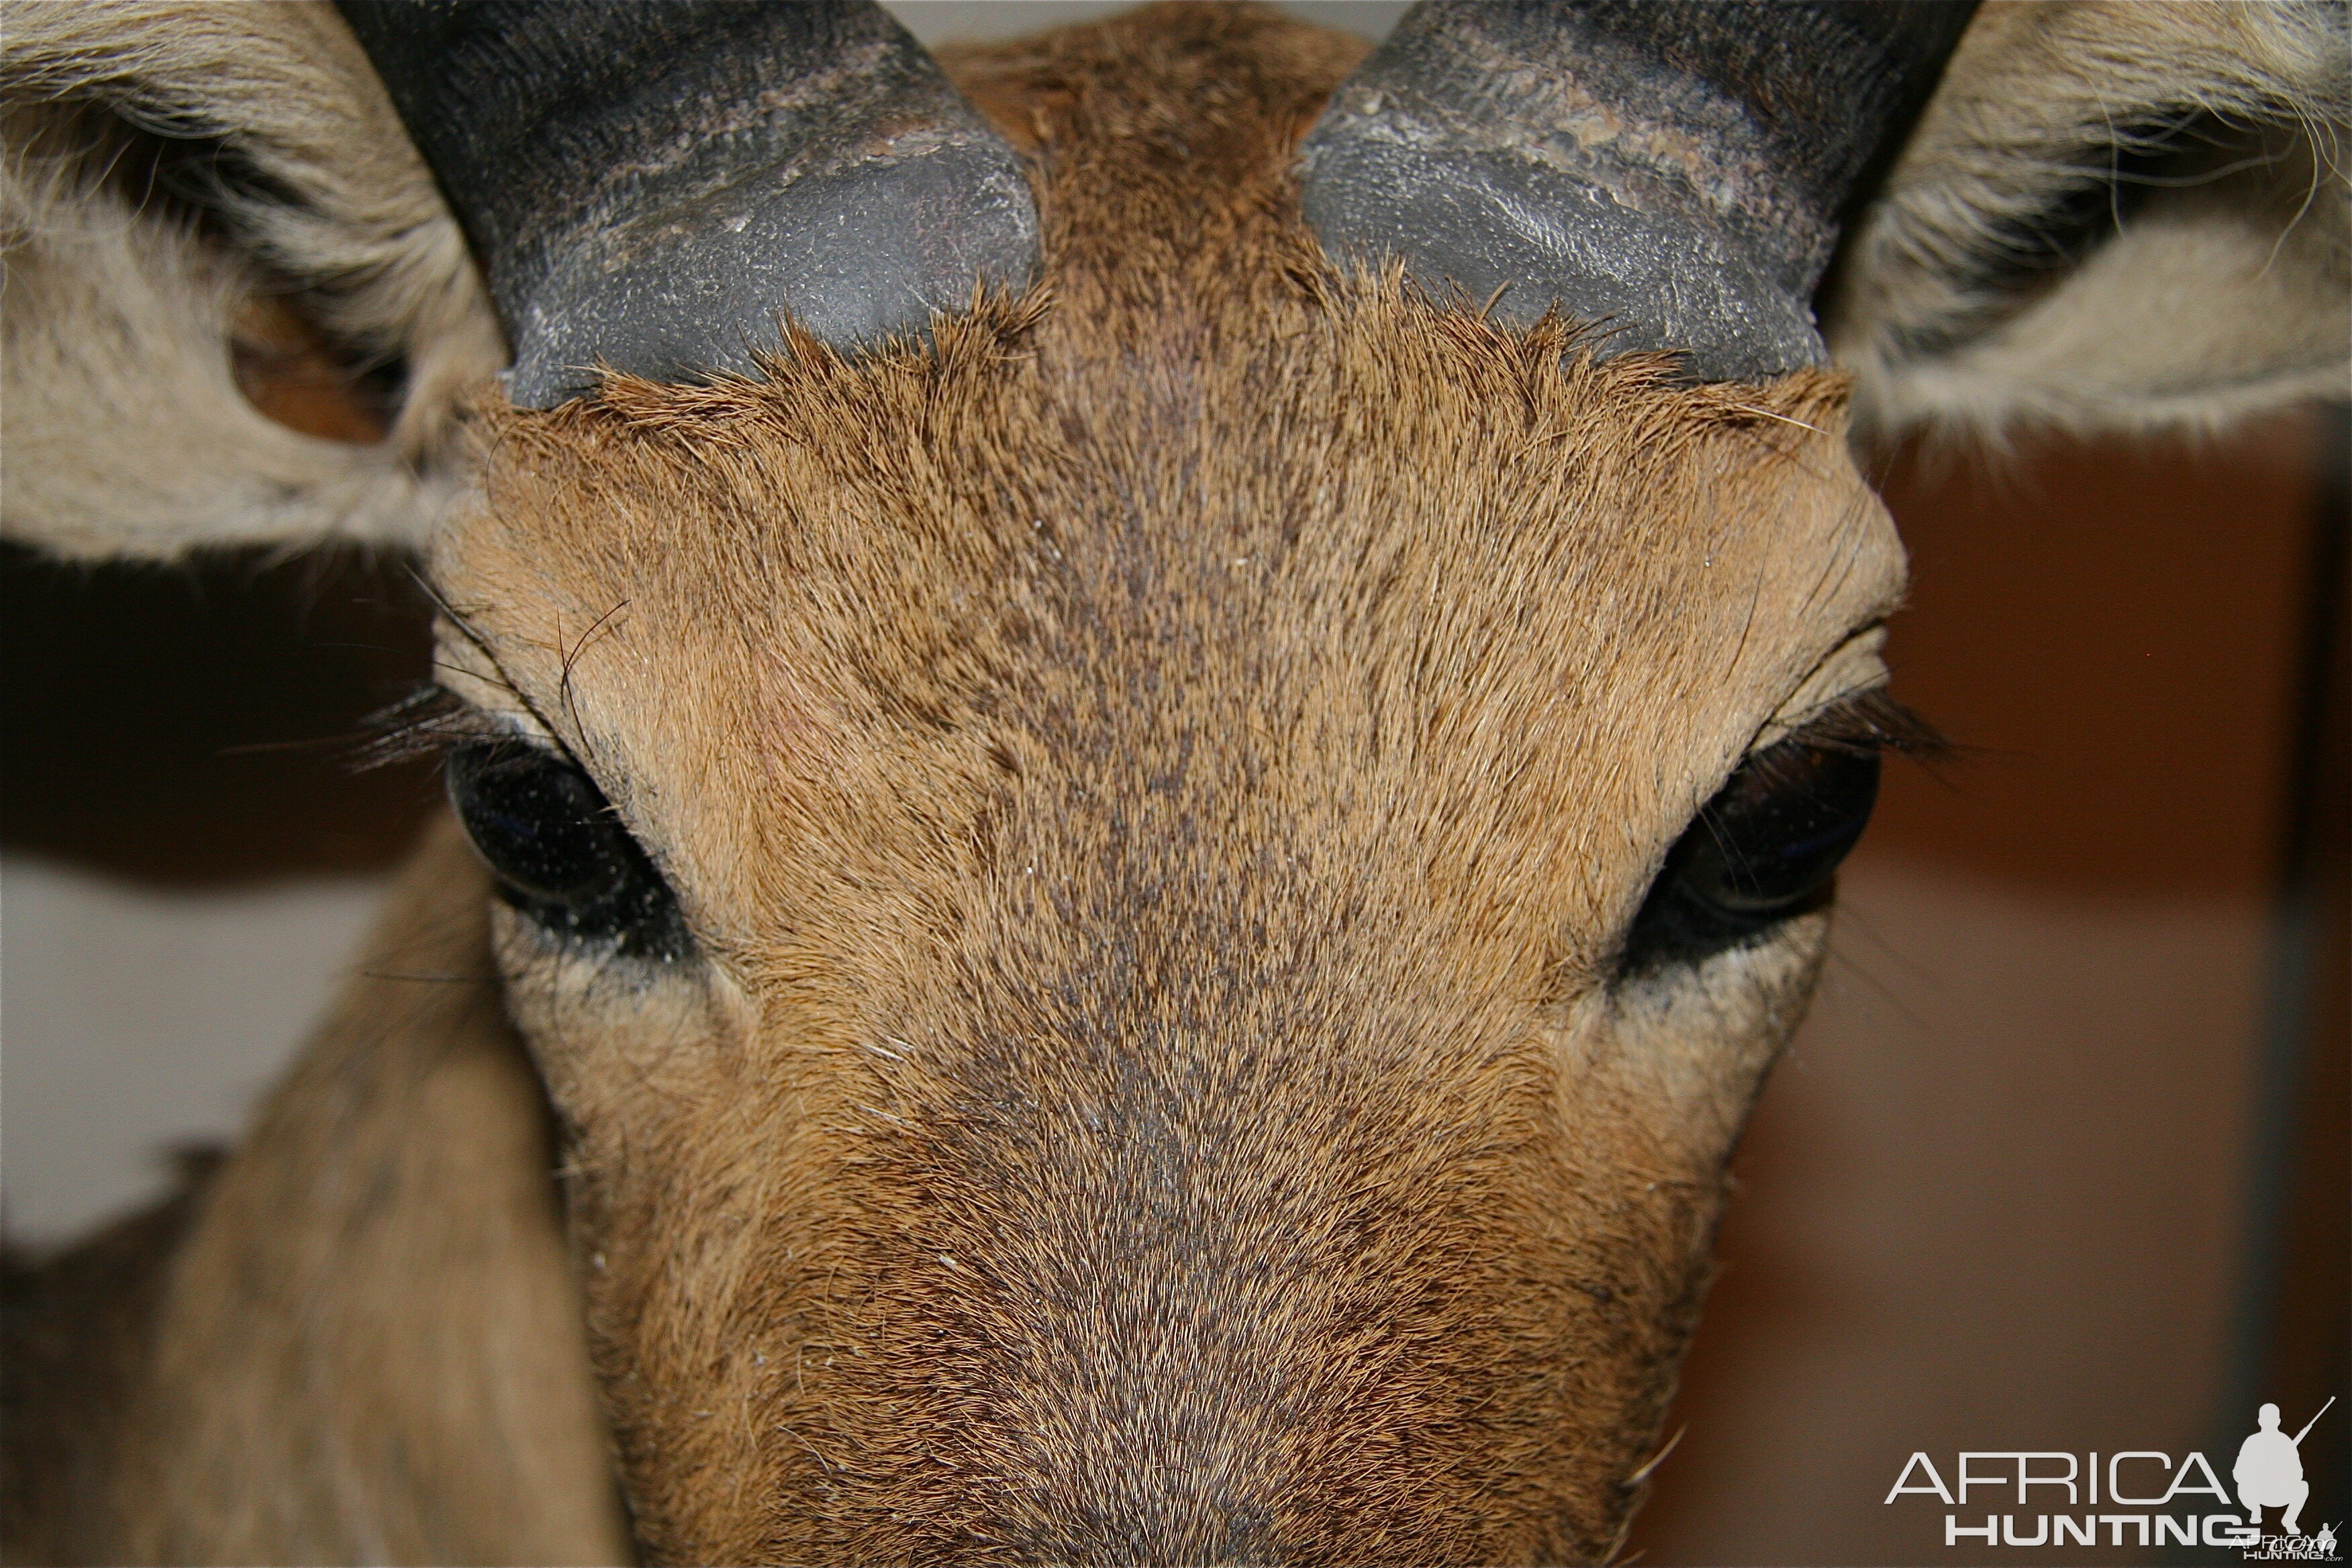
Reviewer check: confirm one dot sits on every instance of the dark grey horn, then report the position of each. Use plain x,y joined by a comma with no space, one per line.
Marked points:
650,184
1677,168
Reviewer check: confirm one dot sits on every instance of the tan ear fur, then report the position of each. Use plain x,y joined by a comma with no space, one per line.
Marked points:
128,431
368,1347
2113,215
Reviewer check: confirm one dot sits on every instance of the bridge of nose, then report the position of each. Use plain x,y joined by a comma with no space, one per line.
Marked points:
1142,1287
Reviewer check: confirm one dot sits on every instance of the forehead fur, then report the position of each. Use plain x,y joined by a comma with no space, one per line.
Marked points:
1153,762
1370,556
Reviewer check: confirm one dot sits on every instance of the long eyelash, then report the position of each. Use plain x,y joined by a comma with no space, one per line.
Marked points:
1873,721
425,723
432,719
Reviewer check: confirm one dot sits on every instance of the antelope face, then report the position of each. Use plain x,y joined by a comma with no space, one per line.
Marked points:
1137,995
1151,853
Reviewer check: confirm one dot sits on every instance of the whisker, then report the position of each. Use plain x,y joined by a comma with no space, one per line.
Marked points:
1783,419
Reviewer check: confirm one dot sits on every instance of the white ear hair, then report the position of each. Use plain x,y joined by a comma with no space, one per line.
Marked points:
2113,215
126,432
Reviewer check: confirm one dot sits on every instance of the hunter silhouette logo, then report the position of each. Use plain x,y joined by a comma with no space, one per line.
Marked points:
2269,1471
2064,1499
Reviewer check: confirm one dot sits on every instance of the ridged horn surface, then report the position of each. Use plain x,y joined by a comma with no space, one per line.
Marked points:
650,184
1675,168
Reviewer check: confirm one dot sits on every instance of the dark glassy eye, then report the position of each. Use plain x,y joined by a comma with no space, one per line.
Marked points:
1763,849
561,854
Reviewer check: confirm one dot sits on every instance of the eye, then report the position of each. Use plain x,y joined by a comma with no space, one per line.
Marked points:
561,854
1766,848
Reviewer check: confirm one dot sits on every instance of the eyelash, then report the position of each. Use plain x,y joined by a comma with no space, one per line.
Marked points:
1874,720
424,726
1766,846
429,720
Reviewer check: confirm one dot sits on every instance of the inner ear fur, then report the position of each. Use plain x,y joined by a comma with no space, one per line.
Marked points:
236,309
2111,215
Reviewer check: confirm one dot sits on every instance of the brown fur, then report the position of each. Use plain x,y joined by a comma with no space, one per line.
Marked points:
368,1346
76,1334
1159,775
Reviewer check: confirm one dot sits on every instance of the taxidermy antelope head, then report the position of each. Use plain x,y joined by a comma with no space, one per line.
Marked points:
1147,733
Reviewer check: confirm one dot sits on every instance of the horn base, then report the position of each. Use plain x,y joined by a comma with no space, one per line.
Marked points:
652,188
1671,170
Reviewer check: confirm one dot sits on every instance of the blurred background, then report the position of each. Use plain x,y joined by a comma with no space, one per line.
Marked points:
2059,1161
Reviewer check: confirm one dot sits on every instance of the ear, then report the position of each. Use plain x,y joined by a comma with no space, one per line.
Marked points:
236,309
2111,215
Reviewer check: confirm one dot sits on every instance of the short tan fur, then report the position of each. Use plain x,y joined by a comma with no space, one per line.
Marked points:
1159,775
